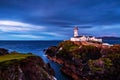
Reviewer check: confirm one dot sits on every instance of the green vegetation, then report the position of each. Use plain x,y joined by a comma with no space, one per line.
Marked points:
88,52
77,56
17,56
67,48
114,56
70,50
68,45
107,62
12,58
100,64
93,66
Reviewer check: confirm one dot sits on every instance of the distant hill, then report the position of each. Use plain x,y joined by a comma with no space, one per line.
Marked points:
109,37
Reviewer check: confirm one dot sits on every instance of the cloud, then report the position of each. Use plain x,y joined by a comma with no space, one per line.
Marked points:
107,27
63,13
27,36
9,26
53,34
57,18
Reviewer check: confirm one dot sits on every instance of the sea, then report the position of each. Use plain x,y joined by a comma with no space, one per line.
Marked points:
37,47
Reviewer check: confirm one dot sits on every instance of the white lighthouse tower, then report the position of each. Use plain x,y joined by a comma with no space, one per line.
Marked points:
76,31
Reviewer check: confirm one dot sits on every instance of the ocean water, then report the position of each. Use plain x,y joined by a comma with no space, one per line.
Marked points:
37,47
112,41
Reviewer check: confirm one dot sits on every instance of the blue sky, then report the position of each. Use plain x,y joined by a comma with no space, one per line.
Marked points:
55,19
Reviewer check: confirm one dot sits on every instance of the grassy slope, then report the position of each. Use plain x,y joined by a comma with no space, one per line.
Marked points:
14,56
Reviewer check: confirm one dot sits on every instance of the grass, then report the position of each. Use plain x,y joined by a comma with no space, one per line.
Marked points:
17,56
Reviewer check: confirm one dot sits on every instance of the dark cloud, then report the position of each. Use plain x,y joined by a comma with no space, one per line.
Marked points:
85,26
62,13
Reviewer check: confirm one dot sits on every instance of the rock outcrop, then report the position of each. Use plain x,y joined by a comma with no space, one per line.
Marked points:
87,61
16,66
3,51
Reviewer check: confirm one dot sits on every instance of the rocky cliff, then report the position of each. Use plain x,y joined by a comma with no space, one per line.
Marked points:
87,61
17,66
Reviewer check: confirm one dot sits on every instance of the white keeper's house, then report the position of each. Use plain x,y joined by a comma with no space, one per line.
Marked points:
83,38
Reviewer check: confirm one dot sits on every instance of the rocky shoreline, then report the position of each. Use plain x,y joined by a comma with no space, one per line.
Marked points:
87,62
19,66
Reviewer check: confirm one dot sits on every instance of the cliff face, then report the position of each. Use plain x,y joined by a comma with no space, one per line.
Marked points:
87,62
16,66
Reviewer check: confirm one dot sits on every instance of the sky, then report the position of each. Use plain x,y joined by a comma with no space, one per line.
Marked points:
55,19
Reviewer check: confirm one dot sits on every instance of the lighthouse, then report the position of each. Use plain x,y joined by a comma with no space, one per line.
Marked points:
76,31
83,38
